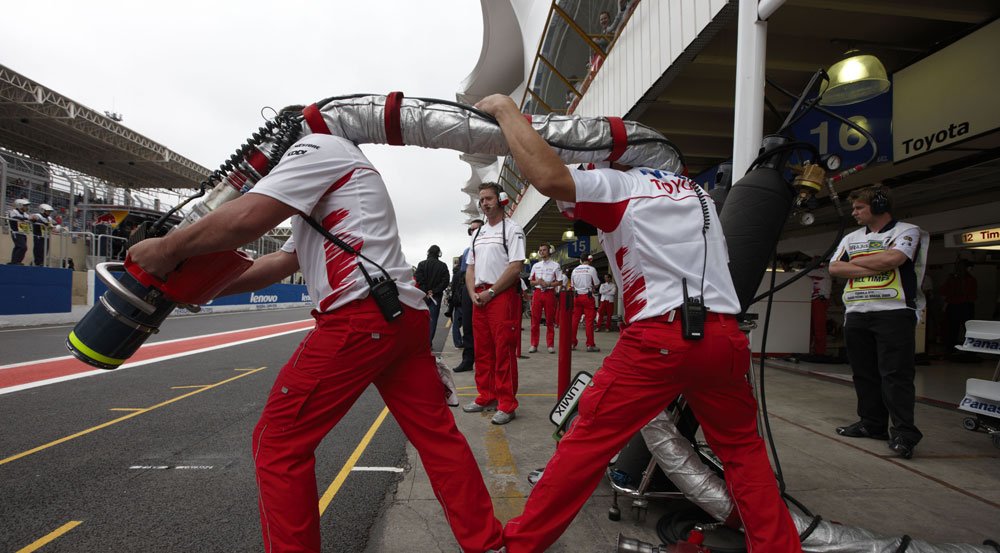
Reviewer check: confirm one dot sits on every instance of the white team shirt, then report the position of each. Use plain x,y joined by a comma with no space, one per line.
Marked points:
548,271
584,279
608,290
329,178
893,289
487,253
649,223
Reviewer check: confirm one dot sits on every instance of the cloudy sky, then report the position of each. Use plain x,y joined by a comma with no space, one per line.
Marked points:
194,76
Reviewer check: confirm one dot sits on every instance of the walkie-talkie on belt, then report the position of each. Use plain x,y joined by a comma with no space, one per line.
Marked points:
692,315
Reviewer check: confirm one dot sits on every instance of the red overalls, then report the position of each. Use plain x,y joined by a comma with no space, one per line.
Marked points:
583,306
496,327
651,364
346,351
543,300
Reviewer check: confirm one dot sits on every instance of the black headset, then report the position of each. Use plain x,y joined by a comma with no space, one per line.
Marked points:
880,202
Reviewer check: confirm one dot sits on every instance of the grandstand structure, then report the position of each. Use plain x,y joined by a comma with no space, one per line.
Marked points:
100,176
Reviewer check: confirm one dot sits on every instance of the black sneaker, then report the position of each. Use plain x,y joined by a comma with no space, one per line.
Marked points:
902,448
859,430
462,367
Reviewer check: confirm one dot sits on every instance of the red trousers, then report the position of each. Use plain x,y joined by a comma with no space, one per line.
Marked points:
345,352
497,327
583,306
543,300
648,368
819,307
604,312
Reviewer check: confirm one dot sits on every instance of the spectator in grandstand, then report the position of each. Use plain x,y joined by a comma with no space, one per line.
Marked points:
607,31
623,9
20,225
42,224
352,345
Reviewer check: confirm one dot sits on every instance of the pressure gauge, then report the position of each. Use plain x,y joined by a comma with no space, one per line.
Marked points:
807,219
832,162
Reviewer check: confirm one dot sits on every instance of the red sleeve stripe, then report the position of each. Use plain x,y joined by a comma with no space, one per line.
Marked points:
315,120
393,125
619,138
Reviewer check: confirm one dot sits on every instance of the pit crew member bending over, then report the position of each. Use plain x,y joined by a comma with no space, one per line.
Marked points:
352,345
650,224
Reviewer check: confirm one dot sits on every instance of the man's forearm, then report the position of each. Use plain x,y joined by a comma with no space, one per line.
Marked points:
265,271
508,278
881,261
231,225
845,269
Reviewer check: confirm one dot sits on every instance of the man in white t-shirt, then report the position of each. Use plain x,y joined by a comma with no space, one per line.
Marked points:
496,256
584,282
544,279
651,225
352,345
884,262
608,291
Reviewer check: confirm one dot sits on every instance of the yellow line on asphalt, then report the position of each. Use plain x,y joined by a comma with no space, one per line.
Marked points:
466,388
189,387
40,542
502,476
125,409
331,491
121,419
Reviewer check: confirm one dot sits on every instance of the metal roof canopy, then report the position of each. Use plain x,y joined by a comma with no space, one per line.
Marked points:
802,37
50,127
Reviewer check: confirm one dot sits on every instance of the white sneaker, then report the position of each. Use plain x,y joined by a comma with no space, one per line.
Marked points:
473,407
533,349
552,350
502,417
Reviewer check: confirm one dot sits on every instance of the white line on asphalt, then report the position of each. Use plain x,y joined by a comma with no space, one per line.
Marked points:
376,469
25,363
96,372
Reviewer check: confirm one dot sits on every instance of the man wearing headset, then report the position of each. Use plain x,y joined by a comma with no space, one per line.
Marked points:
495,259
884,262
652,225
352,345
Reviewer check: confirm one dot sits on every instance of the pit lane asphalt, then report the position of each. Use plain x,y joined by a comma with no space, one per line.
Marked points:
206,499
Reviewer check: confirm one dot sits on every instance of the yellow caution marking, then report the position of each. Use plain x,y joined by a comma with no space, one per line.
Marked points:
334,487
121,419
502,477
42,541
